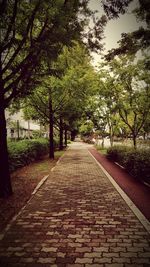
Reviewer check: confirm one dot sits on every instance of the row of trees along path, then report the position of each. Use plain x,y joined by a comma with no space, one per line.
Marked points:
44,53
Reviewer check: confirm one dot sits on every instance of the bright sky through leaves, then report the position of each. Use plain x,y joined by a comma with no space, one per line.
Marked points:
125,23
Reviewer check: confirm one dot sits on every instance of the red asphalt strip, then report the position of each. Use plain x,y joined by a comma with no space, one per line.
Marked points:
135,190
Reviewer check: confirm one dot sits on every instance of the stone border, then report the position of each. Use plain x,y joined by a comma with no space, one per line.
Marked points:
15,216
40,184
129,202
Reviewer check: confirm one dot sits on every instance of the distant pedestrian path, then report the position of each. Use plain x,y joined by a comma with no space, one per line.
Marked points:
77,218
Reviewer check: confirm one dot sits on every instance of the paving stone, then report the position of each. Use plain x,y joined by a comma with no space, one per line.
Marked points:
83,260
15,249
102,260
46,260
27,260
84,249
77,218
93,255
114,265
51,249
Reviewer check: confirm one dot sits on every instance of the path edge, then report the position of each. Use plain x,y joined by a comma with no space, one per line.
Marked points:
43,180
128,201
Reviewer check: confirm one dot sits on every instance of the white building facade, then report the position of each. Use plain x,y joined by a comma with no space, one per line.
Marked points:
18,127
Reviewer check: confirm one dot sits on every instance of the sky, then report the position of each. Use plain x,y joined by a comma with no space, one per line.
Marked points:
114,28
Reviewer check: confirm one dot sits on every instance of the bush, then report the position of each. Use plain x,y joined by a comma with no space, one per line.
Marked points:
23,152
136,162
56,142
87,140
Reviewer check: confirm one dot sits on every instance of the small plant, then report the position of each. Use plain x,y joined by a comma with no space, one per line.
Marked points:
101,148
136,162
23,152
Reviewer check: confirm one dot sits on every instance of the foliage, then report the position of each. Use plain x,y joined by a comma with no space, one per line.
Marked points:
136,162
23,152
132,42
33,31
69,91
86,128
115,7
125,89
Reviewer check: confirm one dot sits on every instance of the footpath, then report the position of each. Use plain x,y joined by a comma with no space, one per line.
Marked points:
76,218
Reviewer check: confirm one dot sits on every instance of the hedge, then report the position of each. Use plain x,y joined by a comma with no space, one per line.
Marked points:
23,152
136,162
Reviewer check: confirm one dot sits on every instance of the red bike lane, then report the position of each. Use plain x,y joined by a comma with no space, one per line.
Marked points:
135,190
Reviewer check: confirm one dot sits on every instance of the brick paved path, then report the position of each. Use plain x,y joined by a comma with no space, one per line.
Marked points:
77,218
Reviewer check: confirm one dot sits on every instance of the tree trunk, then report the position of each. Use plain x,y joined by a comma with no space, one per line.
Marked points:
111,135
28,129
51,134
134,141
66,137
73,134
18,136
5,182
60,134
102,144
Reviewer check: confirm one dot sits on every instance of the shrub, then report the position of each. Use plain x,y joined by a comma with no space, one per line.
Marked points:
23,152
136,162
56,142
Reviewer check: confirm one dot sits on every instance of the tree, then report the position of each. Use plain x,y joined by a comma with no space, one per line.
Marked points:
132,42
28,29
60,100
86,128
113,8
131,92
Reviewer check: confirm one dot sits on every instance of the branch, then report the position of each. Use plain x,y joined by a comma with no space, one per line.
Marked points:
23,40
143,120
17,69
20,77
31,53
3,5
125,120
11,24
14,85
60,104
37,108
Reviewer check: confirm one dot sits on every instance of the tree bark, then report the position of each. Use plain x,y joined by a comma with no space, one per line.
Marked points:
73,134
60,133
18,135
51,132
5,182
28,129
66,137
111,135
134,141
102,144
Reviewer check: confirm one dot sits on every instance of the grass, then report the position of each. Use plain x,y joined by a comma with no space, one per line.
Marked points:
58,154
101,149
24,181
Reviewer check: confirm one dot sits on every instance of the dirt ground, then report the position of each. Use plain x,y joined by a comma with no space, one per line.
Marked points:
24,181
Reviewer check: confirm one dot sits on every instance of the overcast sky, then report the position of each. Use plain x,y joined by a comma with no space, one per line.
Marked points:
114,28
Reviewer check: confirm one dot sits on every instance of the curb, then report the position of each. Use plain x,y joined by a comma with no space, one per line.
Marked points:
128,201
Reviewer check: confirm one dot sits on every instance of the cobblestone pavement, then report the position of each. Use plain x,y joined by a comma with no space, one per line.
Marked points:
77,218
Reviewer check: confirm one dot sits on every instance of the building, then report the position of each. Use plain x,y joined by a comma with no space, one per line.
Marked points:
18,127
